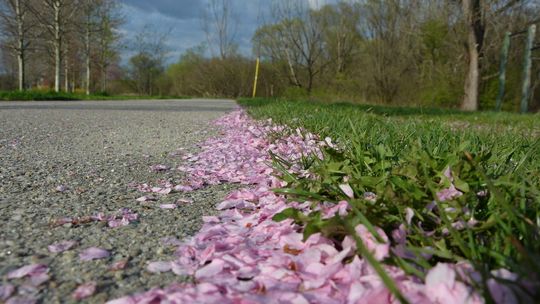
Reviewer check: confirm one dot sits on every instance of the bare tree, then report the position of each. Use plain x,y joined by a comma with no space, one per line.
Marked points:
55,16
297,38
109,19
274,46
341,36
220,27
148,63
89,10
17,25
390,29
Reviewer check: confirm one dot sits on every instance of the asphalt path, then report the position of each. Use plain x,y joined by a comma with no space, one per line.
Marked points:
94,152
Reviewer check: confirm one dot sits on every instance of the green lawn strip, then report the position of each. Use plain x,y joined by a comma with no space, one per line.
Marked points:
401,155
63,96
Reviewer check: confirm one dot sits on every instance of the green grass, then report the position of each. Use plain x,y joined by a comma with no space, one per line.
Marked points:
51,95
401,154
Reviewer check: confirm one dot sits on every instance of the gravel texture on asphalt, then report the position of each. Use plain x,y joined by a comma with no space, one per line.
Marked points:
96,150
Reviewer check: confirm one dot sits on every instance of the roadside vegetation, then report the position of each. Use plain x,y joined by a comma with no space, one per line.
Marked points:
415,53
443,185
51,95
436,53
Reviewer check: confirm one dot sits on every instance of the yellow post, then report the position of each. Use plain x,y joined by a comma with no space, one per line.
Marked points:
256,78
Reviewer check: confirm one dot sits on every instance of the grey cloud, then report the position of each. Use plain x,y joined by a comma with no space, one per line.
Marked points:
183,19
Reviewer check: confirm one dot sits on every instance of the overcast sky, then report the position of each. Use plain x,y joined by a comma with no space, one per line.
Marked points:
183,19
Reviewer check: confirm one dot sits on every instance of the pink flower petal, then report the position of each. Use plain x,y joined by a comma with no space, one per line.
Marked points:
93,253
346,188
124,300
117,223
146,198
183,188
239,204
157,267
27,270
84,291
165,191
211,219
215,267
448,173
38,279
409,215
167,206
6,290
21,300
379,250
61,188
448,194
61,246
120,265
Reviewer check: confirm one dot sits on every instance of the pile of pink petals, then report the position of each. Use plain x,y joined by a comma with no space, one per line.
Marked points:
240,155
243,256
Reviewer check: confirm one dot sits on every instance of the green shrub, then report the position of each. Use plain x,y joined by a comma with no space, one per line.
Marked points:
296,94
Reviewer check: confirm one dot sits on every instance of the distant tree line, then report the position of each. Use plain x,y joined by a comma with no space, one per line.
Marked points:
437,53
59,44
432,53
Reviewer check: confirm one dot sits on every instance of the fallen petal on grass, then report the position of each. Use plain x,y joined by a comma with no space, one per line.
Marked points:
346,188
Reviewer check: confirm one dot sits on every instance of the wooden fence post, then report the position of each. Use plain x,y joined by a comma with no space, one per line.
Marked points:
527,66
502,70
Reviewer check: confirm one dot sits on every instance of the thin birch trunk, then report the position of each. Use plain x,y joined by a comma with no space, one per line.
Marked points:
57,47
21,45
88,67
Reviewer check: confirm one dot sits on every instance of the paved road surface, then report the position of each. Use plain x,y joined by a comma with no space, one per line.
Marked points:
96,149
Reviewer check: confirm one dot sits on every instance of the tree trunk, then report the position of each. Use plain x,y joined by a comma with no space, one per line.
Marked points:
21,45
104,78
340,52
472,10
291,69
66,75
57,66
57,48
470,100
66,69
87,47
21,64
311,76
